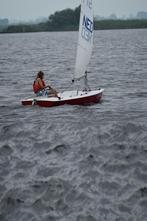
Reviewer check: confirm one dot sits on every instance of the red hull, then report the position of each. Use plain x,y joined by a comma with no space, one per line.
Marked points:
26,103
80,100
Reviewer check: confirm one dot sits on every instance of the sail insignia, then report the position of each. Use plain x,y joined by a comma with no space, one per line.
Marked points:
87,28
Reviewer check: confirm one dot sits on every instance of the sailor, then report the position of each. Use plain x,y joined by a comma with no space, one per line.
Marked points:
41,89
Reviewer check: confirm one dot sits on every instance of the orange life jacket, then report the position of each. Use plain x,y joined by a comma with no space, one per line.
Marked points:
36,86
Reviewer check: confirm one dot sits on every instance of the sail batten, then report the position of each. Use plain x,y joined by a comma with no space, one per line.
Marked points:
85,41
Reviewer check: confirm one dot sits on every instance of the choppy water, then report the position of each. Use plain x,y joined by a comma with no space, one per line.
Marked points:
74,163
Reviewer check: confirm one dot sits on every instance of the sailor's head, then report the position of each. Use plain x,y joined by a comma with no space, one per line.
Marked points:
40,74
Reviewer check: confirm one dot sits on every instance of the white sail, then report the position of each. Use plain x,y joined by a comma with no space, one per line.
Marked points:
85,42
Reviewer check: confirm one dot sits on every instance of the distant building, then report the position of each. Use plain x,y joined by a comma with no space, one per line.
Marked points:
4,23
113,17
98,18
41,20
142,15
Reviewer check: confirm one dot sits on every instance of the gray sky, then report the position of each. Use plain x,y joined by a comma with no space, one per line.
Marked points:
32,9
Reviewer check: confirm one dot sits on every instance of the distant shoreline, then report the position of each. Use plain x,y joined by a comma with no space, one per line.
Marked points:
98,25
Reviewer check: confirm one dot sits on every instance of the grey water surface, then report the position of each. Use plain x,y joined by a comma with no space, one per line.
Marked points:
74,163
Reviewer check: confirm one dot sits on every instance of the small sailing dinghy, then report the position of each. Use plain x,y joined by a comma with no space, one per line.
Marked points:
84,50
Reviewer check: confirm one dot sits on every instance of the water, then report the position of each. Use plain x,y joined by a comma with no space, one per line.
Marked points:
72,162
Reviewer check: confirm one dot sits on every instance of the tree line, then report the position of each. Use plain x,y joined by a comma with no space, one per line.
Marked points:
68,20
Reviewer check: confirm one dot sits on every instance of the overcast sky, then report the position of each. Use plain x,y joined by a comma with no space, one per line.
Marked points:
32,9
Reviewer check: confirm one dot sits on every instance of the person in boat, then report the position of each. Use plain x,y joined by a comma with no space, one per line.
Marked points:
41,89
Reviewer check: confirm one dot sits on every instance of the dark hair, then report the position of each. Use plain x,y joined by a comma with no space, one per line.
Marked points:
40,74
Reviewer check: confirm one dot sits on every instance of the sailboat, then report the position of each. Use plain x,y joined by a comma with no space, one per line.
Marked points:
84,96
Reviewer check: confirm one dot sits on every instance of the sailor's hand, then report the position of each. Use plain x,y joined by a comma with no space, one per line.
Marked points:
48,87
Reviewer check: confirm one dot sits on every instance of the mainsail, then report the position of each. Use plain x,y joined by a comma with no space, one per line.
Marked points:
85,41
